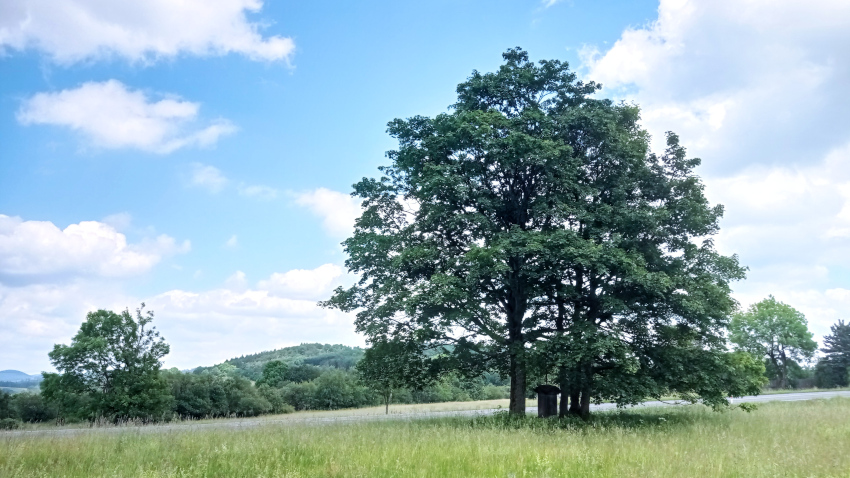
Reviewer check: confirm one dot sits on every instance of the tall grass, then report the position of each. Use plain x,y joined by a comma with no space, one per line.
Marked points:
809,438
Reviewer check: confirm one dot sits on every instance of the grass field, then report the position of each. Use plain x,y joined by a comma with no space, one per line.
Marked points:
810,438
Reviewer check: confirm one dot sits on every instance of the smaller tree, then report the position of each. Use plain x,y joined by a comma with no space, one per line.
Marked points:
390,365
773,330
836,363
111,368
274,374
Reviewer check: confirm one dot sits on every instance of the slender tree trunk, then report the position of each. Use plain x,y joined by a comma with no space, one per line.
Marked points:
586,389
784,379
575,394
387,398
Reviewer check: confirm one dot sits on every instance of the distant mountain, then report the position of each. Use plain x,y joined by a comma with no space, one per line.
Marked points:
18,376
320,355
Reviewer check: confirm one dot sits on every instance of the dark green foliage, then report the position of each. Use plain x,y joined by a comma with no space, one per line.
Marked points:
111,368
300,395
9,424
317,355
276,398
26,407
5,405
218,392
339,389
303,373
31,407
531,231
834,367
274,374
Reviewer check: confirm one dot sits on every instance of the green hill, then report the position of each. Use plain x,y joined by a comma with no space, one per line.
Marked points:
318,355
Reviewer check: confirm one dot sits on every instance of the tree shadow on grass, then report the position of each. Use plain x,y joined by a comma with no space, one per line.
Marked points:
643,419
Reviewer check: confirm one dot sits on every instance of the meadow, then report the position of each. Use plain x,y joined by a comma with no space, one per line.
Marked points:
809,438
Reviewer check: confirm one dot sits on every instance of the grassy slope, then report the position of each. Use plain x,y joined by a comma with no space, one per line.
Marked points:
779,439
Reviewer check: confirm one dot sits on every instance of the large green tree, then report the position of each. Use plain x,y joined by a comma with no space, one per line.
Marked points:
111,369
532,221
773,330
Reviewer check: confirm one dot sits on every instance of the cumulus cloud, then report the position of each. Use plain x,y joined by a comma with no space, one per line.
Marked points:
759,91
111,116
203,327
38,249
338,210
34,317
208,177
743,81
75,30
312,284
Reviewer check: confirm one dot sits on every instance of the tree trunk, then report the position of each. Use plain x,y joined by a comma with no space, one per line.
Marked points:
517,371
387,398
783,383
575,394
585,402
564,385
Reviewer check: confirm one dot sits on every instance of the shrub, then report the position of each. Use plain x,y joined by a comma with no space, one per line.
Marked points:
9,424
31,407
495,392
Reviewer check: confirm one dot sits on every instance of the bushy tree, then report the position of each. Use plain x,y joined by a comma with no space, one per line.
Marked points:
31,407
776,331
274,374
111,369
533,219
303,372
216,392
391,365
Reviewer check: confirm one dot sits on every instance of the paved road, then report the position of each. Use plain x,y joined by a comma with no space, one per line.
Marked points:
255,422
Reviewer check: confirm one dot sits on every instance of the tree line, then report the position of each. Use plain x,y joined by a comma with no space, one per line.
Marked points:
111,371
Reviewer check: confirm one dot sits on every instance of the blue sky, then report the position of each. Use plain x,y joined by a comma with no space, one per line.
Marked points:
198,156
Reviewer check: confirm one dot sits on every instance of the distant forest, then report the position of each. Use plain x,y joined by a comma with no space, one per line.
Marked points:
336,356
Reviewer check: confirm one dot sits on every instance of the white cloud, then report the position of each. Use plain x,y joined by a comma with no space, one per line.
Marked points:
232,242
258,191
313,284
759,90
203,327
338,210
113,117
208,177
743,81
38,249
75,30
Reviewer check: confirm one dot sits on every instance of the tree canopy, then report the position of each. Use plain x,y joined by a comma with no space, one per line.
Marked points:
111,368
531,229
391,365
773,330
